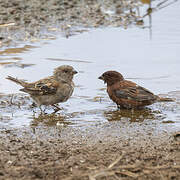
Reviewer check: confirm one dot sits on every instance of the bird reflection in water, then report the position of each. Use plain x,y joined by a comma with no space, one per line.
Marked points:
133,115
50,120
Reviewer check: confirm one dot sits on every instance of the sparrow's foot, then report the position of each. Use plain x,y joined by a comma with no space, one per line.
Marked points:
43,111
33,105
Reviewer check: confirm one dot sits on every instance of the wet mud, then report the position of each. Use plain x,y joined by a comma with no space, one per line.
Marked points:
122,150
130,145
34,20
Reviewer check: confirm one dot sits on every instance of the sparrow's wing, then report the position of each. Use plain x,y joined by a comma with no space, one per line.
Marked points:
134,92
42,87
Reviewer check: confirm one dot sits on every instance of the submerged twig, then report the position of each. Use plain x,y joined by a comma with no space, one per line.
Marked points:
128,173
8,24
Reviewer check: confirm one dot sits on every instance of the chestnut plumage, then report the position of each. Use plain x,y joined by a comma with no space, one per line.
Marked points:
127,94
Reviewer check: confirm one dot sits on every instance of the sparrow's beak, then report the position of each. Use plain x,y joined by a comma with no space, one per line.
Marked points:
75,72
101,77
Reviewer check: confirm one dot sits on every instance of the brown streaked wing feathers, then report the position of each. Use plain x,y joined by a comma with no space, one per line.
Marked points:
134,92
44,87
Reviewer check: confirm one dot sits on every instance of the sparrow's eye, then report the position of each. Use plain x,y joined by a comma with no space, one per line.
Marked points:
65,71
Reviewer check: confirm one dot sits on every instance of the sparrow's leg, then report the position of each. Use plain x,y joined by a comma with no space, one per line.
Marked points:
132,111
118,107
40,107
56,108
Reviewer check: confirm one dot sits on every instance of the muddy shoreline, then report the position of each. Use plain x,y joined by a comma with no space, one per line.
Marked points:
36,20
128,151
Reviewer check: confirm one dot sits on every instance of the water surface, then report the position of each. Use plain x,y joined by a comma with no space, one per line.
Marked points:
153,64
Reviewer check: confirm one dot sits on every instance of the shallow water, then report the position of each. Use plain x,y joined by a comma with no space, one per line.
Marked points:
153,64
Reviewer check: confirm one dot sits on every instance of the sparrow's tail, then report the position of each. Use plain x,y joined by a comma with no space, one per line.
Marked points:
17,81
164,99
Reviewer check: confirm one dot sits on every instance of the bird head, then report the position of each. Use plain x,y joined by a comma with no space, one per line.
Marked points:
65,73
111,77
